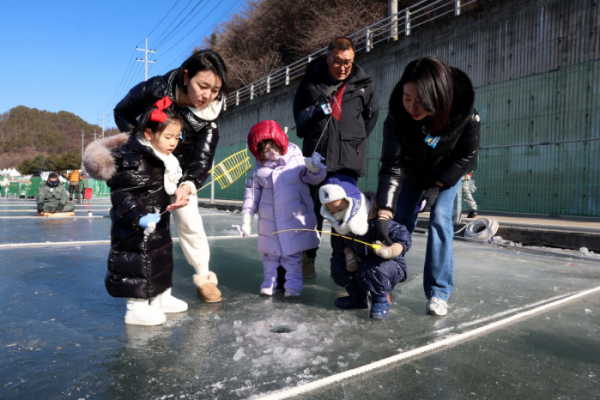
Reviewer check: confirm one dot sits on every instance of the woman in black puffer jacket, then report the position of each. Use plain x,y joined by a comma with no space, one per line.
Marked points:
430,140
197,90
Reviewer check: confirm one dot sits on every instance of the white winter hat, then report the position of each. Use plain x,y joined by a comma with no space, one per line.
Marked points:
339,187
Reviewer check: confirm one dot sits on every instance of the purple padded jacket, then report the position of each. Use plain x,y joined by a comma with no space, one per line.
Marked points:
279,192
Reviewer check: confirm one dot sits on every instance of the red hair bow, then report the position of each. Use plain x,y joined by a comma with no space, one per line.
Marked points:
158,115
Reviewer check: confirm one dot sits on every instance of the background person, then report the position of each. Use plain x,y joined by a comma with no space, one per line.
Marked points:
197,89
335,98
74,178
467,194
52,196
430,140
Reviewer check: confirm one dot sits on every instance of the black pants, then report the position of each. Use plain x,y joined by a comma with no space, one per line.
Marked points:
314,193
74,188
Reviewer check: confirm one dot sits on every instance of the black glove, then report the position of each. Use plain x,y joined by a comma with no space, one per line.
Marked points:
383,226
40,207
430,197
52,210
60,207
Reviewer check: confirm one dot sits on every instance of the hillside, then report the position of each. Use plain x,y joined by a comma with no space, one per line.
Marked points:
27,132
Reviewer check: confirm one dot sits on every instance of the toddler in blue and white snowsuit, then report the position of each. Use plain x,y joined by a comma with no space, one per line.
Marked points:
358,267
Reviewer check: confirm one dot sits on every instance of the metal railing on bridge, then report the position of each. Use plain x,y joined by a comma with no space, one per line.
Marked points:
390,28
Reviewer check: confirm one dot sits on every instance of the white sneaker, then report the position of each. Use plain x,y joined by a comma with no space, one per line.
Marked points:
168,304
437,307
267,291
292,293
139,312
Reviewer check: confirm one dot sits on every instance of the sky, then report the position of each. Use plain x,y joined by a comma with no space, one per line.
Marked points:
79,56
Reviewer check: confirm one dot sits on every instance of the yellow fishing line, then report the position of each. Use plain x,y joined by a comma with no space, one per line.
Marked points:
374,246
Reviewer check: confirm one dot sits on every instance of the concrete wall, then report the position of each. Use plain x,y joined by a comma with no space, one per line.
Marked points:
536,69
499,41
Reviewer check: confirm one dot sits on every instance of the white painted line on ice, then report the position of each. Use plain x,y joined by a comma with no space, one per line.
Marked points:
32,217
77,216
88,242
287,393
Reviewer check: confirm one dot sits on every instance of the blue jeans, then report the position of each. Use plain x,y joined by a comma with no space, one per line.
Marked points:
438,274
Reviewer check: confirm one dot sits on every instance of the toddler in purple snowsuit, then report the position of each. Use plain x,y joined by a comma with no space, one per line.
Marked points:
278,191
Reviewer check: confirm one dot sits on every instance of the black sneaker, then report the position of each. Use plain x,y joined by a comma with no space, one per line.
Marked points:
472,214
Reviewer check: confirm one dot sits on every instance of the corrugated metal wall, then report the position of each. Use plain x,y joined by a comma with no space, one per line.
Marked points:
495,45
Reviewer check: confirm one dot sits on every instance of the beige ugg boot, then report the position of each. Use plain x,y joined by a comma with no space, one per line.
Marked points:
207,288
308,267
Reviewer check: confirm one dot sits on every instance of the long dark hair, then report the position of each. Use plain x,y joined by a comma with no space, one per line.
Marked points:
204,60
433,79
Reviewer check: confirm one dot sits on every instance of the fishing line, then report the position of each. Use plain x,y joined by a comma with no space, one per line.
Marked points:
374,246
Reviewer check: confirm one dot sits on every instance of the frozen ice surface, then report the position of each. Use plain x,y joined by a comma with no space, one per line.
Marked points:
63,336
540,358
38,230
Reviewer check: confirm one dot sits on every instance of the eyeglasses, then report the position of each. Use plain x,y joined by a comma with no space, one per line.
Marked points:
340,63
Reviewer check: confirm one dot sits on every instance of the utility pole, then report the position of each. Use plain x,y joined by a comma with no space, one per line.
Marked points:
393,9
103,116
146,58
82,145
95,135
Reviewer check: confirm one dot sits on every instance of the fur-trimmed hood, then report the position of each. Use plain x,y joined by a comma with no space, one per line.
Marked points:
98,159
355,221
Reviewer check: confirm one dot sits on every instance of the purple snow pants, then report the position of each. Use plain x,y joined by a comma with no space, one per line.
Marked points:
293,271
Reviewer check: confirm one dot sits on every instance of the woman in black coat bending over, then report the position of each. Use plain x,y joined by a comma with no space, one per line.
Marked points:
197,90
430,140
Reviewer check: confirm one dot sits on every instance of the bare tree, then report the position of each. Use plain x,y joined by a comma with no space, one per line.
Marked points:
269,34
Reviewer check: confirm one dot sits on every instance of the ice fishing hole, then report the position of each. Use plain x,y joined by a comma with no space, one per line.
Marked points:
282,329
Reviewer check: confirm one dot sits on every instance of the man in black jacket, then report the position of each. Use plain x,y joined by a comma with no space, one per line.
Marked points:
336,109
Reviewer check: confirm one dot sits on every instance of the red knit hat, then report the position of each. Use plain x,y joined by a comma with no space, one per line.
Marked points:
266,130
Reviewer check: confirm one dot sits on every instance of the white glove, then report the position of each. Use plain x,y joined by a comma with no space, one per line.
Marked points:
314,164
149,228
247,224
387,252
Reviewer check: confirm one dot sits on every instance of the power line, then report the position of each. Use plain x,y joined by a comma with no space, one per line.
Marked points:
192,29
180,29
167,28
172,33
216,23
160,22
128,84
122,80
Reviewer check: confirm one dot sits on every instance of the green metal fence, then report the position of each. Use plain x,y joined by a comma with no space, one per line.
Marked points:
99,188
540,140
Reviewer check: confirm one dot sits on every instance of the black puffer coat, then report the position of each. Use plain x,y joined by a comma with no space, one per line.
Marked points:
197,149
139,266
344,144
405,154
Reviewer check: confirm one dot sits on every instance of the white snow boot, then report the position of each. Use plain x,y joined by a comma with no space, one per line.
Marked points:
139,312
168,304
